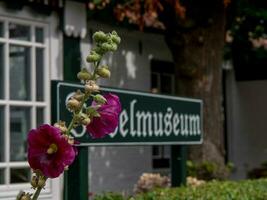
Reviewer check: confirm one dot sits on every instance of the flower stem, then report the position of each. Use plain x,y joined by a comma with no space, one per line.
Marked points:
37,193
70,126
73,118
83,101
96,67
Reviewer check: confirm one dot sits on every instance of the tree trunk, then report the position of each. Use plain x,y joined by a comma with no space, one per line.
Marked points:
197,50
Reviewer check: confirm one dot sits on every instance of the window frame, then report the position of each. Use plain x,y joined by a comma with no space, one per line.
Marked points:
8,189
159,69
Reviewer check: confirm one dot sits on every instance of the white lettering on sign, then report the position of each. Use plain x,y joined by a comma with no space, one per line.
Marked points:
175,123
140,123
147,124
132,131
77,134
123,120
168,122
158,130
144,123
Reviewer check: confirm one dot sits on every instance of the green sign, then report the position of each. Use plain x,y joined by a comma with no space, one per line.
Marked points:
146,119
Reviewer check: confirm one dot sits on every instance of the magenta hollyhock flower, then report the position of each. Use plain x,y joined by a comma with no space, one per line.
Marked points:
109,117
49,151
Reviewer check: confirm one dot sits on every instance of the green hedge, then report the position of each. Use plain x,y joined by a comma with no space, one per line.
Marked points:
214,190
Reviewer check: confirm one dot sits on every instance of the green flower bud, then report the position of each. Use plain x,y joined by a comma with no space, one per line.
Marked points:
41,181
91,86
116,39
99,99
84,75
77,118
114,33
78,95
106,47
100,36
114,47
62,126
34,182
99,50
92,112
93,57
26,197
73,104
103,72
81,118
23,196
38,172
20,194
86,121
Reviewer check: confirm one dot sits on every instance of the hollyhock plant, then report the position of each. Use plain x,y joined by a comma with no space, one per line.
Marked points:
108,120
49,151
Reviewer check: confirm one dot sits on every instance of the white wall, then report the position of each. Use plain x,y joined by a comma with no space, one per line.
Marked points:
246,123
118,168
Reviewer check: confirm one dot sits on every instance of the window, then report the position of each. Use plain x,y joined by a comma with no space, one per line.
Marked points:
24,95
162,77
162,82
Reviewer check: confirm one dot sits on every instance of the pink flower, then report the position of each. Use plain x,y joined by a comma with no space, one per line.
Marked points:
49,151
109,117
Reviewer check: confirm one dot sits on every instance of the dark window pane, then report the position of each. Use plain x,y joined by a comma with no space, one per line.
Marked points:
2,71
162,77
155,82
40,116
39,35
156,151
2,176
20,175
162,66
2,133
20,120
20,73
19,32
161,163
167,84
39,74
1,29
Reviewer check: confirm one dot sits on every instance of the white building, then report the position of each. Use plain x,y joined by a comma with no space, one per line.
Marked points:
33,35
47,40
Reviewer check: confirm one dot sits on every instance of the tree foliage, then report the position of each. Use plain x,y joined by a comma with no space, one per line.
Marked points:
144,13
246,39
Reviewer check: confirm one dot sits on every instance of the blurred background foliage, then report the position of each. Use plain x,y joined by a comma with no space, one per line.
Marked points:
207,170
213,190
258,172
246,38
246,25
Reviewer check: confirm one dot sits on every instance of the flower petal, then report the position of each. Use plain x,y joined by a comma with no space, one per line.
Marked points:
109,117
51,165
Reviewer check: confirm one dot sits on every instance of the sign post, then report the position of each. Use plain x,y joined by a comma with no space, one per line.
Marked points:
146,119
76,177
178,165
